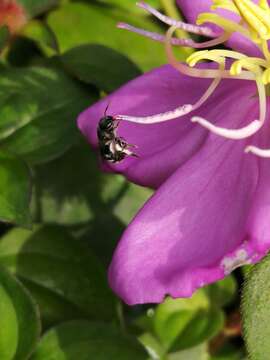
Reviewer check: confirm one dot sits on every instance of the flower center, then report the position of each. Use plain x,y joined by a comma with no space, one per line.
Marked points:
254,24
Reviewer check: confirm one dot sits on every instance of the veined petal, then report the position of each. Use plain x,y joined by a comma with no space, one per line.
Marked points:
191,10
162,148
193,230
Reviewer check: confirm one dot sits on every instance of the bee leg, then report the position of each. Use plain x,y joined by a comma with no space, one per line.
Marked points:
128,145
132,146
116,123
130,153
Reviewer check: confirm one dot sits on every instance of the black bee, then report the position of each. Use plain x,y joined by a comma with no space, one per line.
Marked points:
112,147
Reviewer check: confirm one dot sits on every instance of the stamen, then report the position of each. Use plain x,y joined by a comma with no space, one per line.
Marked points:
158,118
175,41
238,134
155,36
200,73
194,29
258,18
252,64
224,4
265,50
178,112
265,153
228,25
264,4
194,58
254,25
248,64
266,77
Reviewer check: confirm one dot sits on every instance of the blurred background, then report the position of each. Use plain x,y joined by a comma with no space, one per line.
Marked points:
62,217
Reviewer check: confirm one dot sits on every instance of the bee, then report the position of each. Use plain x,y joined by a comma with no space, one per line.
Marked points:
112,147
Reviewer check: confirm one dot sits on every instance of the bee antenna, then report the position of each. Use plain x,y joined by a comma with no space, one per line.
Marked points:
107,107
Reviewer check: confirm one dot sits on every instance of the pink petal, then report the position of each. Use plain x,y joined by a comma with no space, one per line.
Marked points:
193,230
191,10
258,223
162,148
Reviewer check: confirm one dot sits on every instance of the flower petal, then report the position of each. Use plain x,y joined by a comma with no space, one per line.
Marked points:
258,223
161,147
192,231
191,10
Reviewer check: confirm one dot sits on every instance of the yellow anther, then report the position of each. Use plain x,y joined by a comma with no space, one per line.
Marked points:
218,53
264,4
224,4
257,17
265,50
197,56
228,25
266,77
248,64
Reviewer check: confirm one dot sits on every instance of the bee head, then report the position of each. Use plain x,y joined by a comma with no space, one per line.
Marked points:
107,123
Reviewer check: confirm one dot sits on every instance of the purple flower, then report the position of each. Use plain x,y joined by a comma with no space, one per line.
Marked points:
202,134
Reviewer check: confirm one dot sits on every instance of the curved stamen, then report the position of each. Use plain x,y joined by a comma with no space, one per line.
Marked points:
157,118
224,4
200,73
248,64
264,4
227,25
256,17
230,54
265,50
265,153
194,29
266,76
238,134
175,41
178,112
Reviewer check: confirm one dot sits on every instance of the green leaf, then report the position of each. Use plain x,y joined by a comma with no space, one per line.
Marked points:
99,65
128,5
88,341
37,7
38,110
229,352
4,36
15,190
62,274
81,23
204,326
197,353
20,326
39,32
82,195
184,323
256,310
152,346
222,292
